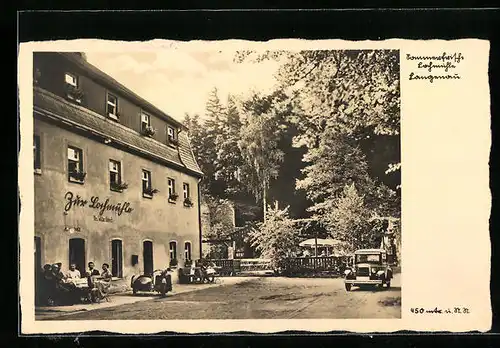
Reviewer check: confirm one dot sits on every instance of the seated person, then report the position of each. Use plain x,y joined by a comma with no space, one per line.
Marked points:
73,273
102,282
92,271
47,285
64,286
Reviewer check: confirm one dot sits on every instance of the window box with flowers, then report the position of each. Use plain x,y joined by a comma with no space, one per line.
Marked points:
74,93
173,141
77,176
148,131
173,197
188,202
173,263
150,192
119,187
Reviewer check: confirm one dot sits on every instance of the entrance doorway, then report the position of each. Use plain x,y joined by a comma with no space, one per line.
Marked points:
77,253
116,258
147,254
38,267
38,254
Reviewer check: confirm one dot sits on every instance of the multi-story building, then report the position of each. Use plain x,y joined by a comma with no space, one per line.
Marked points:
115,179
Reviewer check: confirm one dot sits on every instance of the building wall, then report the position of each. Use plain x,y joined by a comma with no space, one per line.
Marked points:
53,68
151,219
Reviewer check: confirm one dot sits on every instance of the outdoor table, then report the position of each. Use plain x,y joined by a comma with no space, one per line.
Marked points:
82,288
81,283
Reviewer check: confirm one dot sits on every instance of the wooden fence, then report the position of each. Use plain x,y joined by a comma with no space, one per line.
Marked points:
228,267
296,265
335,264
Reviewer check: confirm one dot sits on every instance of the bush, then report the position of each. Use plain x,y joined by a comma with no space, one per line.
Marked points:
276,238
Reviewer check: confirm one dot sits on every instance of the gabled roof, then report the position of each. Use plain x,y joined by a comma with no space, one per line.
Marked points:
108,81
48,105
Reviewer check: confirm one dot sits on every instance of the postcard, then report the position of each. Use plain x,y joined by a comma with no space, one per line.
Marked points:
262,187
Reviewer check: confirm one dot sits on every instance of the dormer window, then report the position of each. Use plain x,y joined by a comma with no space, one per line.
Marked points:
73,92
71,80
172,135
112,106
145,121
146,128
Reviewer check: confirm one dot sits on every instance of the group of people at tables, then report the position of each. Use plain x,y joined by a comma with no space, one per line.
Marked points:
196,269
58,287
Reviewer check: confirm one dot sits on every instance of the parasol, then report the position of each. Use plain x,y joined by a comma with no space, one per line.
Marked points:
320,242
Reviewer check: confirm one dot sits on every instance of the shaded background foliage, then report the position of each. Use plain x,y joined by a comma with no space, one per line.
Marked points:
325,143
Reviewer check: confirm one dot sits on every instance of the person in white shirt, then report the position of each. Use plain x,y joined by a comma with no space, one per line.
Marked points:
73,273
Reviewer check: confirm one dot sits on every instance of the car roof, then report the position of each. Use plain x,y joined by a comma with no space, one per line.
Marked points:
369,251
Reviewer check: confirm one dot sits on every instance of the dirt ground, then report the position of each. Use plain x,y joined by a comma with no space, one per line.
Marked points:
262,298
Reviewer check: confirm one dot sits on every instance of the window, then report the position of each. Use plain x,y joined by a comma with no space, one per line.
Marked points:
75,164
77,253
171,189
38,253
368,258
112,107
36,154
71,79
185,189
146,183
116,258
145,121
115,175
171,135
73,92
147,256
187,251
173,250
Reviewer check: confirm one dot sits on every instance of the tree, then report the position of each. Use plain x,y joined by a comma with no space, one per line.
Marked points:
348,219
203,148
259,139
213,128
276,238
220,224
336,162
229,159
349,104
354,91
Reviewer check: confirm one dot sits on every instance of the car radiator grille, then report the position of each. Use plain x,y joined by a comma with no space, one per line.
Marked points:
363,272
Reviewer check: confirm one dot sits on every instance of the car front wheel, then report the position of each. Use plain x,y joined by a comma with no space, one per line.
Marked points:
348,286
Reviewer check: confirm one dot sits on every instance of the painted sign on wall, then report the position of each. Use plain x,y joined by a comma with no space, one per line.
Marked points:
95,203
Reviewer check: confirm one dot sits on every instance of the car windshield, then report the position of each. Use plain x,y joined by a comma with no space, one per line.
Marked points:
370,258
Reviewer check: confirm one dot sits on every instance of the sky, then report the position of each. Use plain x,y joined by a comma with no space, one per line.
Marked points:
179,81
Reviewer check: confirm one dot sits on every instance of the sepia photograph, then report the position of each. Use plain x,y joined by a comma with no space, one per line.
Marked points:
274,186
277,199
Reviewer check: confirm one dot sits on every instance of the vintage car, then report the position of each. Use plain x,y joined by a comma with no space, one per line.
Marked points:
370,269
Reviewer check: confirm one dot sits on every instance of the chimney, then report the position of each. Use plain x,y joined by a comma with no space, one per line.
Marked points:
82,55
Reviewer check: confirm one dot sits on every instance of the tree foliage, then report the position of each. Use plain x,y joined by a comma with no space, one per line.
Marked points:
345,101
258,144
229,159
349,220
340,104
276,238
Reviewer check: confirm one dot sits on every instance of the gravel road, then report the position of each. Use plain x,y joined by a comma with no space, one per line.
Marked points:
262,298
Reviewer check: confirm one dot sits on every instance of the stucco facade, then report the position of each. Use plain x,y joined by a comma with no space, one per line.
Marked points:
90,220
